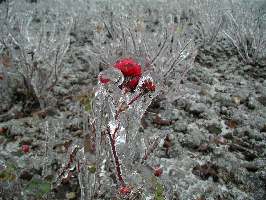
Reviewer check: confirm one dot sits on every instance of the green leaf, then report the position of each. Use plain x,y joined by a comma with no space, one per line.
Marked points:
38,187
179,30
86,101
158,189
18,153
87,106
159,192
8,174
92,168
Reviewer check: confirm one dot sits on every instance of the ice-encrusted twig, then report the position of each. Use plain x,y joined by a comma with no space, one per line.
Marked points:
116,159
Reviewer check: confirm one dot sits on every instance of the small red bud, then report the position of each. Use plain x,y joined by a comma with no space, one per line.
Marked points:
2,130
124,190
158,171
103,79
25,148
148,85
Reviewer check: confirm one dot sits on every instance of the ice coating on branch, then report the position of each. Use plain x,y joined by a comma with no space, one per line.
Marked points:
121,115
70,164
37,44
54,132
111,75
138,65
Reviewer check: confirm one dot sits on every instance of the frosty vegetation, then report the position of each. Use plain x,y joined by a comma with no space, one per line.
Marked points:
36,39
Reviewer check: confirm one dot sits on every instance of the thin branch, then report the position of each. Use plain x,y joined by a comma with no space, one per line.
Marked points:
116,160
133,40
161,48
177,59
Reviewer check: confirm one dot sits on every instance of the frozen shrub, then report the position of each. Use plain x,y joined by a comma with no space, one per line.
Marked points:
207,19
136,66
37,36
4,90
246,29
53,129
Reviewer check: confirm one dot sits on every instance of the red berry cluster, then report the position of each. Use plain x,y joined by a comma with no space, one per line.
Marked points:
129,67
132,72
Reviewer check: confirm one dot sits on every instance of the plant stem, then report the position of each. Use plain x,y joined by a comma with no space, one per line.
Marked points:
135,98
116,159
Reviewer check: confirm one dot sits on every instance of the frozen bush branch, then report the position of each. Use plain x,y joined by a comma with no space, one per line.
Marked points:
38,44
247,32
121,99
206,18
160,52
